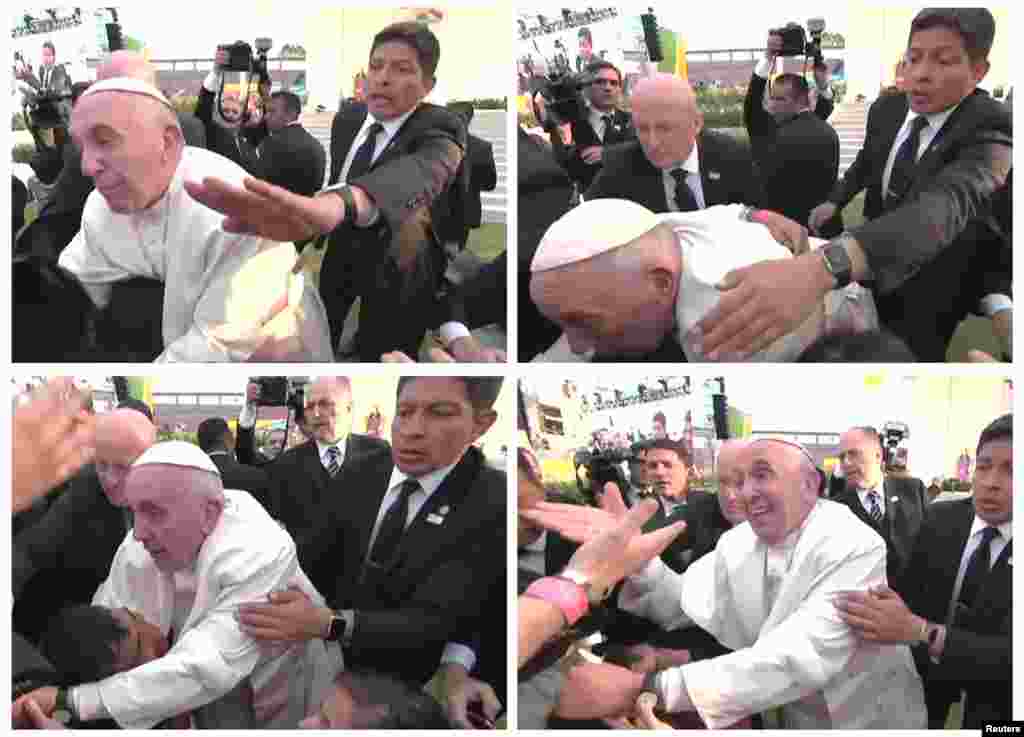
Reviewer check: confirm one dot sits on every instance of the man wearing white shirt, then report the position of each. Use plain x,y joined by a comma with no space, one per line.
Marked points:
226,297
766,592
197,552
623,282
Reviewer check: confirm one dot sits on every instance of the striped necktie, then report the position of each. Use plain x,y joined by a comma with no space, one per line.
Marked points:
332,462
874,509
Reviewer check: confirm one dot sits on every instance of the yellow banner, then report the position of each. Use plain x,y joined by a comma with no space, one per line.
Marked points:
682,70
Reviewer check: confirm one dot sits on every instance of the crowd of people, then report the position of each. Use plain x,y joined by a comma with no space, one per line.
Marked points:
694,244
774,602
162,583
133,242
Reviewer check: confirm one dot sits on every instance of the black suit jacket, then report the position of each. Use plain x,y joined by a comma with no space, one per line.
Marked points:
978,653
900,525
301,491
584,136
252,479
63,558
950,200
726,174
483,177
396,264
291,158
442,572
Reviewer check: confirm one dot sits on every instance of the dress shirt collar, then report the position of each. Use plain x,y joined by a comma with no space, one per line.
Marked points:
428,482
322,450
862,494
537,546
1005,529
596,117
391,127
935,120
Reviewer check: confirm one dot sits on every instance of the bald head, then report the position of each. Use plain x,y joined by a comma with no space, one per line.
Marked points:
731,476
328,410
121,437
666,118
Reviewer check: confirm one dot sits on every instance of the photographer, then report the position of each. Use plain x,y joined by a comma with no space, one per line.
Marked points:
603,125
222,125
796,151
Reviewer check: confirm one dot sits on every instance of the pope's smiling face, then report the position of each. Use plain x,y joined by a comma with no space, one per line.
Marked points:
777,493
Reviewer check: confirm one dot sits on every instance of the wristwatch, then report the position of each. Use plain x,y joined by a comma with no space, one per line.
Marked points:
651,685
65,710
594,596
350,205
837,261
336,630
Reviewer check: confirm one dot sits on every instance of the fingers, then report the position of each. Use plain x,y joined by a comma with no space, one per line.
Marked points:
439,355
488,701
658,540
645,717
634,520
975,356
35,714
395,357
611,500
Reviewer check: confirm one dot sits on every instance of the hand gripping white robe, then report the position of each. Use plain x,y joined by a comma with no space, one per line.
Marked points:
800,655
224,293
245,558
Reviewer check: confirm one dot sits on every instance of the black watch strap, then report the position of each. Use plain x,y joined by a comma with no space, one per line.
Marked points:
336,631
837,261
350,205
64,711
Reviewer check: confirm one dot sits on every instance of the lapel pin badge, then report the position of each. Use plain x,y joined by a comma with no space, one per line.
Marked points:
443,510
714,176
894,499
435,519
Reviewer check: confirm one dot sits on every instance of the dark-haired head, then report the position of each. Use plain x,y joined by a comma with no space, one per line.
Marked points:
869,347
81,642
213,434
482,391
976,28
416,36
596,66
998,429
675,446
367,700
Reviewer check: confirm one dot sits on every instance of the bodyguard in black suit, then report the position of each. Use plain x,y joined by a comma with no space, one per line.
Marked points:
956,599
797,154
910,248
310,479
417,543
479,173
215,438
681,169
285,153
935,235
603,125
387,249
895,508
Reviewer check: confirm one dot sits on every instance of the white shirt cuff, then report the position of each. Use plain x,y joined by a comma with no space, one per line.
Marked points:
88,703
212,81
763,68
247,417
459,654
452,330
993,303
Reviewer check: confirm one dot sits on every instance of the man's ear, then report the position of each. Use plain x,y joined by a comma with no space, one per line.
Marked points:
979,69
663,282
212,509
482,422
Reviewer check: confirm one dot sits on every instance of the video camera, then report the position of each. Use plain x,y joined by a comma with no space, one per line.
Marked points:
893,436
796,43
281,391
604,466
241,59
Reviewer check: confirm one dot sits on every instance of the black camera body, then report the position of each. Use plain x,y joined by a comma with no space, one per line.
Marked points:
602,467
563,96
46,112
281,391
893,435
797,42
242,59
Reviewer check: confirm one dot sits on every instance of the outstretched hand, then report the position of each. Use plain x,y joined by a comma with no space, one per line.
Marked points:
267,210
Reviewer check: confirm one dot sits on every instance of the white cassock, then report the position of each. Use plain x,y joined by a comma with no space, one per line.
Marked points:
245,558
713,242
224,293
798,654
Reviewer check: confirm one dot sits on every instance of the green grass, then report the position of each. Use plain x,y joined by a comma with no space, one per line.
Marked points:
487,241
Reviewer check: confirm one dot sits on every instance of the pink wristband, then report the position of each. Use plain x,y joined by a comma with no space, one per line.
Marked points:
569,597
759,216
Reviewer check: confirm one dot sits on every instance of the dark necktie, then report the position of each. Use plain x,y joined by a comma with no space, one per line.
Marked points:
977,568
332,462
874,510
44,77
392,526
364,156
608,131
903,165
685,200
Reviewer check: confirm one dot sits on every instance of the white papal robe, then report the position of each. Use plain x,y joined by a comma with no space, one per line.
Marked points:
245,558
798,654
224,293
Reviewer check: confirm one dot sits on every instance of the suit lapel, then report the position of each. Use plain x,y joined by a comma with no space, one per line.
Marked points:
348,129
892,129
960,122
424,532
712,196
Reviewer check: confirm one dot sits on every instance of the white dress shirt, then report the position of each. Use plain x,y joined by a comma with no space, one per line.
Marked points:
391,127
429,483
862,494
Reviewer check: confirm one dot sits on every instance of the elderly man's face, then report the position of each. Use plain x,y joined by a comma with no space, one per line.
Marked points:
232,108
667,129
395,81
125,150
169,522
328,414
121,437
773,494
861,457
666,471
993,482
434,424
606,311
731,477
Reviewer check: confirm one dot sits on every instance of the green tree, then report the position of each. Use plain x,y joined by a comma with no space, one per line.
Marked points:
133,44
668,48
